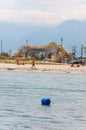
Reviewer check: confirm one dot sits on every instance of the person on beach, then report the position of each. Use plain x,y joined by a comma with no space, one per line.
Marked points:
33,64
17,61
72,65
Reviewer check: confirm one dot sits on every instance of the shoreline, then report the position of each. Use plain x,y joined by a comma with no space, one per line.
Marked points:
45,67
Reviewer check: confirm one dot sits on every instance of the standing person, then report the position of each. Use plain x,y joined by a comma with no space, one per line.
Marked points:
17,61
33,64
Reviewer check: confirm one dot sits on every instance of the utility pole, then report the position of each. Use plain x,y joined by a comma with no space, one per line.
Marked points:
10,52
74,51
81,52
61,41
1,46
26,42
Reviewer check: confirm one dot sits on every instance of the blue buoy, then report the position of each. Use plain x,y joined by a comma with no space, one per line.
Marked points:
45,101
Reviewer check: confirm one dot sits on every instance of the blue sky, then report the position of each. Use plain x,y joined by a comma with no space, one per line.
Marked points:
43,12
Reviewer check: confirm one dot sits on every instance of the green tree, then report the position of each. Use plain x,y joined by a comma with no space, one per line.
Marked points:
50,55
51,44
42,56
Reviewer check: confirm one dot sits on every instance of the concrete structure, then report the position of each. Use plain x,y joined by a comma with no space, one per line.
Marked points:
56,52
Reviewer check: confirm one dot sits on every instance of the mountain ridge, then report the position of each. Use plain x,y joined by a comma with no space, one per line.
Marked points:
13,36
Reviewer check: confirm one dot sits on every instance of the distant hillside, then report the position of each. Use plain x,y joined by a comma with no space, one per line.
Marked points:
14,35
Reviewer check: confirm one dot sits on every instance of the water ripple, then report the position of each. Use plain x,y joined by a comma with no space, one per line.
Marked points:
21,94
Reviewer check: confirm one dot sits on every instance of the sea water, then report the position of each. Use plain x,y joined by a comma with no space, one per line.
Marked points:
20,100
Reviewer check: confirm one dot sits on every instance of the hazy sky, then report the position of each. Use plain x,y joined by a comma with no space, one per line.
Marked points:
42,11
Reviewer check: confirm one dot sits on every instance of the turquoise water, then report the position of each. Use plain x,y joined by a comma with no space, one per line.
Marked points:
21,94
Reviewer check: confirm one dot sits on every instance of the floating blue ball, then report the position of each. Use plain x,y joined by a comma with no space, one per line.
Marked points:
45,101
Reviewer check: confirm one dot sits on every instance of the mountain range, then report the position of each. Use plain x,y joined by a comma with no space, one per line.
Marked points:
72,32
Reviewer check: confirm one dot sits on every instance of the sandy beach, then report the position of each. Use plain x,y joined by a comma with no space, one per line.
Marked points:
39,67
